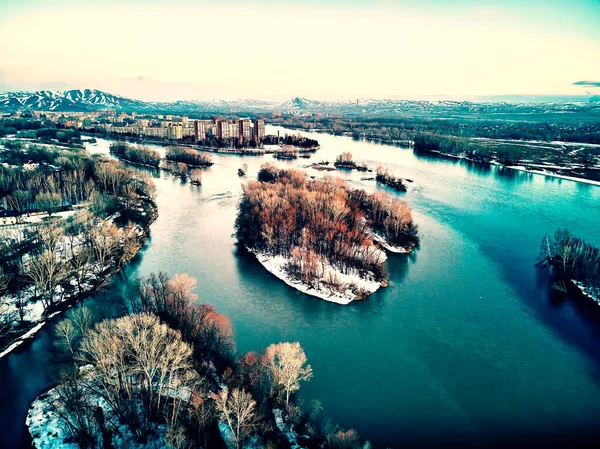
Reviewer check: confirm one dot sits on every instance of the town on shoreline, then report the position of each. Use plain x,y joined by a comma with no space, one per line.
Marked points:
239,135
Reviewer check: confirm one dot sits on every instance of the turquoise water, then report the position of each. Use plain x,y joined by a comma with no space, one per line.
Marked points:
464,348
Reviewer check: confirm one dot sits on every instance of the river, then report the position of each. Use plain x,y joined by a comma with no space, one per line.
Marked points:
465,348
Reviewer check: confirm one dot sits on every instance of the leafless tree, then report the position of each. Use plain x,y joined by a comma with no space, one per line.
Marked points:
67,334
83,320
140,364
196,176
7,318
286,364
237,410
46,271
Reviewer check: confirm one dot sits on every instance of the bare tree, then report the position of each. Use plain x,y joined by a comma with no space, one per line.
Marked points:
46,271
80,264
196,176
83,320
49,202
139,363
67,335
7,318
104,240
203,413
237,410
286,364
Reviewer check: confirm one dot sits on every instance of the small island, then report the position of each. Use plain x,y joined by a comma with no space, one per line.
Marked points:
287,152
389,179
574,262
320,236
345,161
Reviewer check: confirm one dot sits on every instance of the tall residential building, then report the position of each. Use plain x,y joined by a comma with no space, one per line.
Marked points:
259,130
189,131
234,129
223,129
199,130
245,130
175,131
155,132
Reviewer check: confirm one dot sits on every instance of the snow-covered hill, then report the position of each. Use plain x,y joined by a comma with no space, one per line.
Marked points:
92,99
68,100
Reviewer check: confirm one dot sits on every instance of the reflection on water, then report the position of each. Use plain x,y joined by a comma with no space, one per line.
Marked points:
463,348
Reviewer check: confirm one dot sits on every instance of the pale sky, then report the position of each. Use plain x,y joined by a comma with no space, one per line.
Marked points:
326,50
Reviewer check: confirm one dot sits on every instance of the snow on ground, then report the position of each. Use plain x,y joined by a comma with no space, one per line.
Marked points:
33,311
29,334
38,218
554,175
48,432
45,426
391,248
588,291
277,266
283,428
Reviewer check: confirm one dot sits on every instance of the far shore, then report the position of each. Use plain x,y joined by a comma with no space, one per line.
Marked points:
408,144
270,149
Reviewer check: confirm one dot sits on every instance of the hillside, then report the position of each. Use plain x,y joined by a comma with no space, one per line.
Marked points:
81,100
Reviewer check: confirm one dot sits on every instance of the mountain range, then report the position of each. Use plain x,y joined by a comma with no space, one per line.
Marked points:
81,100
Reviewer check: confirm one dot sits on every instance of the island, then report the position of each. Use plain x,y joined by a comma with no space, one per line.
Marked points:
319,235
345,161
389,179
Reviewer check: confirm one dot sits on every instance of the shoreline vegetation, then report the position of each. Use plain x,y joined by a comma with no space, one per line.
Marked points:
389,179
320,236
164,376
573,262
567,150
53,263
184,163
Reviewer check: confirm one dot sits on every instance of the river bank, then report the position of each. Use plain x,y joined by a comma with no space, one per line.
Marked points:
545,166
73,291
355,287
266,149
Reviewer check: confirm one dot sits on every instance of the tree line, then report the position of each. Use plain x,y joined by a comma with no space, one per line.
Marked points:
406,128
189,156
458,146
42,130
166,374
66,177
136,155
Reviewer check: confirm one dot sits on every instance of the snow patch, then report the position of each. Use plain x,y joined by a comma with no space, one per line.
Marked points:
276,265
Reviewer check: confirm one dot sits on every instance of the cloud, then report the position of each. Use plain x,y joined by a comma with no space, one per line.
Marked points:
587,83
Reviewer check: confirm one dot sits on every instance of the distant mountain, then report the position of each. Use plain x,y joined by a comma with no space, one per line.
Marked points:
92,100
81,100
67,101
300,104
